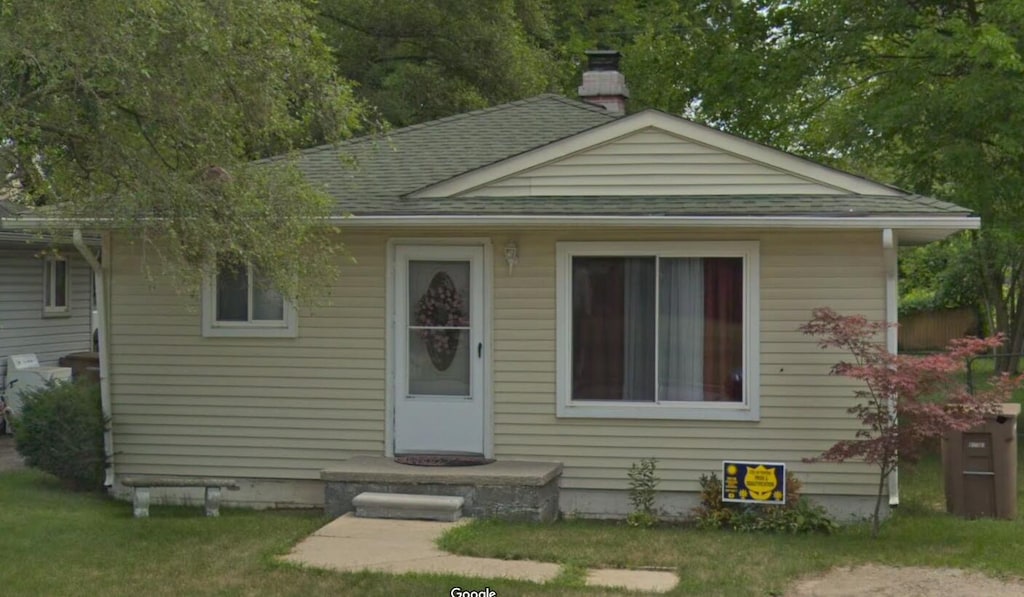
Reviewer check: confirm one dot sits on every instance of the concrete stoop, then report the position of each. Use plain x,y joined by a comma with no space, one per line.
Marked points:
404,506
506,489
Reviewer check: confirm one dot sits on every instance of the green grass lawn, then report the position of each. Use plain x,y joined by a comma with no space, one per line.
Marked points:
981,373
724,563
54,542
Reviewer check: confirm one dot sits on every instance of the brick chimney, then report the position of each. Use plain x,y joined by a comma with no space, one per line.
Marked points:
603,84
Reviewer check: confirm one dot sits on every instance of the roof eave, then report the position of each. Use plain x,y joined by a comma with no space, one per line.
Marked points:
939,225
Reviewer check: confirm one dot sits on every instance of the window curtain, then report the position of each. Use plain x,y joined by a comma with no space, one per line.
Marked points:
597,328
723,329
681,330
638,329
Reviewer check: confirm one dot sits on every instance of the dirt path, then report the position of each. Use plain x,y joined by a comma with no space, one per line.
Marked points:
9,459
888,581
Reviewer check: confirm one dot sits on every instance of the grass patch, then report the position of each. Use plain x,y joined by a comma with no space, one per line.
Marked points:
920,533
982,371
54,542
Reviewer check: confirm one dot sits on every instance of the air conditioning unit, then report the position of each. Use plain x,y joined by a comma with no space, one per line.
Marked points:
24,374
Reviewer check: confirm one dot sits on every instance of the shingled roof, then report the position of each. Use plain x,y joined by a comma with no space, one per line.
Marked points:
373,176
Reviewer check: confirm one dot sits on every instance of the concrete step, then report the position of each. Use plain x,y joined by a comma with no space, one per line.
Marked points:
407,506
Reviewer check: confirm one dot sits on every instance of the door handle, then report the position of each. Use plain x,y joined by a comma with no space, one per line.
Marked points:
480,349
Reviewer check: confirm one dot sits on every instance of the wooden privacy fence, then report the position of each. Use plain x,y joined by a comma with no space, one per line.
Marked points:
932,330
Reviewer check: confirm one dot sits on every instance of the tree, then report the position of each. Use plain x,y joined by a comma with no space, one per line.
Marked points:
927,95
147,115
939,275
906,401
417,61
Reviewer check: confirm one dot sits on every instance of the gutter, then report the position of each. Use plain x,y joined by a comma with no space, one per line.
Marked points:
889,255
101,316
951,223
852,222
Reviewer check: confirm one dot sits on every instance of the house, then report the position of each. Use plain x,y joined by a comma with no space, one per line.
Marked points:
45,297
546,281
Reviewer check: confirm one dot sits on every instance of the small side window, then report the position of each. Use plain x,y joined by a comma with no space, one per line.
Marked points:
240,302
56,286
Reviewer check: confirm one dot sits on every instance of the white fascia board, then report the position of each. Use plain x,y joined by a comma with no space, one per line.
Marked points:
946,223
691,131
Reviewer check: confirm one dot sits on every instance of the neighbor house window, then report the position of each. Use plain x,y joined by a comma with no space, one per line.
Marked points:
658,330
241,302
56,286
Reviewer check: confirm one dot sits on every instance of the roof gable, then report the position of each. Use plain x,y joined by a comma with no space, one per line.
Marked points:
370,172
653,153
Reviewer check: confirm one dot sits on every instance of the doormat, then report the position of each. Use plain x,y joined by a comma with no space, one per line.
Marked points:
442,460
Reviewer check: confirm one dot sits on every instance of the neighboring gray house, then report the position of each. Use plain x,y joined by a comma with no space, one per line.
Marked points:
45,304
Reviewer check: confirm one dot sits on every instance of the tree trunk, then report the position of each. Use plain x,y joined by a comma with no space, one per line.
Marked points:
875,521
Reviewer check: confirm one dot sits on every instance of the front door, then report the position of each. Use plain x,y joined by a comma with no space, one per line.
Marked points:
439,349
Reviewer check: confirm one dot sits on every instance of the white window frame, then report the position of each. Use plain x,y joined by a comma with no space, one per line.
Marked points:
212,328
50,308
747,410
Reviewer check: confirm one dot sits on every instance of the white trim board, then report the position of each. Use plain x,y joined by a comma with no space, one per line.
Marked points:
673,125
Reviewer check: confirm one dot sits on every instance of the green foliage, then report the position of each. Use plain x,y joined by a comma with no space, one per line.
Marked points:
940,275
60,431
797,516
147,115
417,61
643,485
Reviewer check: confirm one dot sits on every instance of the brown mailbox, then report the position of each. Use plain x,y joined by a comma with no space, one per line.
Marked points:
980,467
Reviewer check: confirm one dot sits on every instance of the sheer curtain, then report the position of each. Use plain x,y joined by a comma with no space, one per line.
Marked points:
681,330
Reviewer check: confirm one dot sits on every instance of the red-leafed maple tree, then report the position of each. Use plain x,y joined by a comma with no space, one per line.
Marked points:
906,400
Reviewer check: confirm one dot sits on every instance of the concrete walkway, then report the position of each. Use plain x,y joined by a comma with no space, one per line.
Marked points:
351,544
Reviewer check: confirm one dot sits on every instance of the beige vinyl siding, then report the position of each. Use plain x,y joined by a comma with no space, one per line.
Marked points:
652,162
23,328
279,408
284,408
803,411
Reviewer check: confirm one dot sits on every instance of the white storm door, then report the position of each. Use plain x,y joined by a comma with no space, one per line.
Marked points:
439,349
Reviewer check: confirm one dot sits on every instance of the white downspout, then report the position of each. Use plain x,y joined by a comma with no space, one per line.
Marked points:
889,254
101,324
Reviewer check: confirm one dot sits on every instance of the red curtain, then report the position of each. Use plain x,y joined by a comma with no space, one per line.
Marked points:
598,328
723,329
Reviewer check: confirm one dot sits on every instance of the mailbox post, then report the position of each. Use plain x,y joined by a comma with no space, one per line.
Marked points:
980,467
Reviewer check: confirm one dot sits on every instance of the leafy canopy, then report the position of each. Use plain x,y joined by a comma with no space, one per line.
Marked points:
417,61
147,114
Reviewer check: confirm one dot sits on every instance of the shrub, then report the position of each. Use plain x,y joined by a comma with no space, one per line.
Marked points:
60,431
642,487
797,516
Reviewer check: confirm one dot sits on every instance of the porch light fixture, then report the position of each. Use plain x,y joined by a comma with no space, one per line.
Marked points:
511,255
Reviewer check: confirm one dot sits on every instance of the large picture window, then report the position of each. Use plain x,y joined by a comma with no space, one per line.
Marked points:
657,330
240,302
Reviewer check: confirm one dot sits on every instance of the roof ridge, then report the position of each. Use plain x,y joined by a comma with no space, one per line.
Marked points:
454,118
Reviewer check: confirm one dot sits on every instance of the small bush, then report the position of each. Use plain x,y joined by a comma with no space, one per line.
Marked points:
796,516
642,487
60,431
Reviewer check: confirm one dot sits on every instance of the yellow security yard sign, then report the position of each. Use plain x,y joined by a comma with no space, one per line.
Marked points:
753,482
